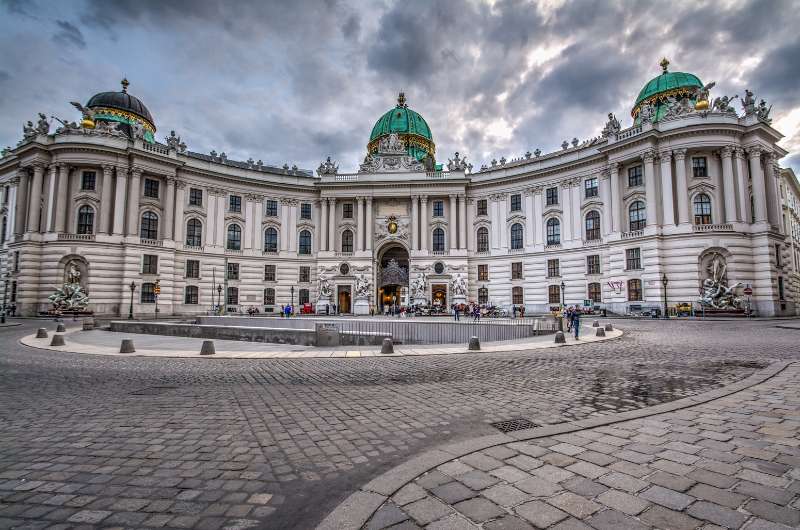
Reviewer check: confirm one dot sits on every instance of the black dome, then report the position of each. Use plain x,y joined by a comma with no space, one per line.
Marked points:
121,101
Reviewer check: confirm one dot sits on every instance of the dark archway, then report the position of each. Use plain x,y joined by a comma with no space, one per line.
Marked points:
392,277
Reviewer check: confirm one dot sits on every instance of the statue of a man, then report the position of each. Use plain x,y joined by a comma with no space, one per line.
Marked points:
74,274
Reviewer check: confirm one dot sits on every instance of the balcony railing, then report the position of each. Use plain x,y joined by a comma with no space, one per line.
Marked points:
627,133
552,246
160,149
193,248
340,254
269,252
151,242
75,237
713,228
440,252
345,178
516,250
234,252
592,242
632,234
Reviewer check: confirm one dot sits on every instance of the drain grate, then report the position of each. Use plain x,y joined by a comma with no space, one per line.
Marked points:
153,391
515,424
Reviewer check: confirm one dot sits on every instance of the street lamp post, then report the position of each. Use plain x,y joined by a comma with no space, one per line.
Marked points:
5,292
664,282
219,298
132,287
291,301
563,303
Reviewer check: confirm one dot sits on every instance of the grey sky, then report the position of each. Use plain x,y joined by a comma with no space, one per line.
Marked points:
298,80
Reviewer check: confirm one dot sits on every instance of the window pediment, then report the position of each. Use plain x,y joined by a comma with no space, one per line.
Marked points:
516,217
87,196
593,203
229,216
554,209
195,210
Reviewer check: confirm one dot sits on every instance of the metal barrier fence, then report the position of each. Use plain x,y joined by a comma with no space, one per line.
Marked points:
411,331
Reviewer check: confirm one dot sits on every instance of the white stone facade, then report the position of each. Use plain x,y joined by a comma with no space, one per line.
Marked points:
142,198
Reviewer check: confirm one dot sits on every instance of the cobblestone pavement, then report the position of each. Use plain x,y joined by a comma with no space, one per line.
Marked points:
229,443
733,462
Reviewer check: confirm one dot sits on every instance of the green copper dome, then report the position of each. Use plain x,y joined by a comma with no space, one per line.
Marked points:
678,84
408,125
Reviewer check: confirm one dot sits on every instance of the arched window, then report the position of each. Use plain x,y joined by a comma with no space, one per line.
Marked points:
438,240
270,240
483,239
269,296
149,227
190,296
516,296
305,242
347,241
594,292
635,290
85,220
194,233
232,297
234,241
554,294
516,236
553,231
593,225
637,216
483,296
702,209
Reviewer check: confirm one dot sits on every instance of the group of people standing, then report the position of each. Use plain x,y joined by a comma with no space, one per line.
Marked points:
572,316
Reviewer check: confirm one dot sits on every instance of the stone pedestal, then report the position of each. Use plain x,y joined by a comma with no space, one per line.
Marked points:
459,299
323,303
361,306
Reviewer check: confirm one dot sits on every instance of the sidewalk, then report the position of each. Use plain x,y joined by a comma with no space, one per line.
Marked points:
729,458
99,342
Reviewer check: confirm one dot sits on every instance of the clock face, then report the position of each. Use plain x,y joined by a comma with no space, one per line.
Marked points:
392,227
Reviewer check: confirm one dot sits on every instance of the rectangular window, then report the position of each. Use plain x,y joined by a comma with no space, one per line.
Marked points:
269,273
305,275
88,181
780,288
269,296
195,197
593,264
347,210
149,264
553,268
148,293
14,292
516,270
633,259
305,210
303,297
235,204
233,271
483,208
483,296
516,202
778,260
190,297
483,273
192,268
554,294
16,261
272,208
699,167
516,296
590,187
634,176
551,196
594,292
438,208
151,188
635,290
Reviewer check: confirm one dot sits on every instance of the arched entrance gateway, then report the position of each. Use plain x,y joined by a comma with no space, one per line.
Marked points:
392,277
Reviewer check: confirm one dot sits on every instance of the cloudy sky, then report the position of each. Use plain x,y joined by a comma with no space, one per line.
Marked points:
298,80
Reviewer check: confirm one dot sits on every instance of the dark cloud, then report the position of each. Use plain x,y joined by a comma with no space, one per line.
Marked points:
4,76
69,35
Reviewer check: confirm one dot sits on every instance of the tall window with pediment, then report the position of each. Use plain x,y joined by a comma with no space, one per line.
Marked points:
516,236
234,240
483,239
438,240
637,215
304,246
553,231
592,225
702,209
194,233
85,220
270,240
347,241
149,226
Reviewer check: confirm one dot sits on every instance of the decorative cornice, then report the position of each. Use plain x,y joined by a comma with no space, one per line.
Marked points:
648,156
726,152
754,151
665,155
680,154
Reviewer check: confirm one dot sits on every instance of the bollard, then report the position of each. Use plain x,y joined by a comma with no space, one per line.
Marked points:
88,324
126,346
207,348
474,344
600,332
595,324
560,339
41,333
60,328
387,346
58,340
609,327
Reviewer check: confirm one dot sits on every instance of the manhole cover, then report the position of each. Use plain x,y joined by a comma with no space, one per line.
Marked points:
516,424
153,391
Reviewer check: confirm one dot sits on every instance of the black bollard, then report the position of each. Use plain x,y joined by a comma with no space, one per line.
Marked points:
207,348
600,332
60,328
560,339
609,327
126,346
387,346
57,340
474,343
41,333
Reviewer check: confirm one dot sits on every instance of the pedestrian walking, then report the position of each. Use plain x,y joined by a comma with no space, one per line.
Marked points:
576,323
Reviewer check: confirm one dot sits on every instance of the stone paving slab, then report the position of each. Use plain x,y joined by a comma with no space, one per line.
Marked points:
757,419
100,342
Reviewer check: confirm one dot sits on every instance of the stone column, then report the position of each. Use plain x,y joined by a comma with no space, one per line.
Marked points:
423,223
361,226
370,223
13,189
771,176
134,191
284,242
616,197
22,202
332,223
169,209
759,187
650,188
538,209
577,218
462,221
105,225
119,201
728,184
50,188
35,202
247,232
323,224
606,222
681,185
293,225
529,219
667,200
452,228
180,202
219,225
566,220
470,224
742,185
415,222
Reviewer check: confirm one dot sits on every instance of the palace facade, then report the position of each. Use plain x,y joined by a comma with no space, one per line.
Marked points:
692,183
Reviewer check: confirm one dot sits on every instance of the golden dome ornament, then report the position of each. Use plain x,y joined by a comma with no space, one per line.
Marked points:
701,105
391,226
87,123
